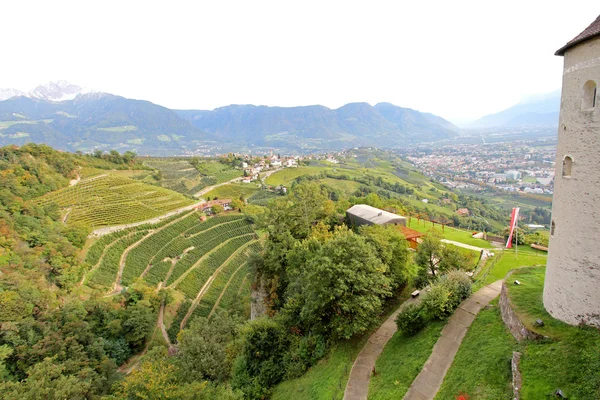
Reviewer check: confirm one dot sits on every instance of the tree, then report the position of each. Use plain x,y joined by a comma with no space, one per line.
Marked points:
217,209
428,255
260,363
203,348
392,250
337,287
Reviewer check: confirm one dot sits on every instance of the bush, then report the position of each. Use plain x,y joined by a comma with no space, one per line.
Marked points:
437,303
445,295
461,284
411,320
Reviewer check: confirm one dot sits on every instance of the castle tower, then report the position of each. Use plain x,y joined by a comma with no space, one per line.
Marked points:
572,288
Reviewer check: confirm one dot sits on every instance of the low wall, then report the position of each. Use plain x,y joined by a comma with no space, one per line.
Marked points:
517,380
512,322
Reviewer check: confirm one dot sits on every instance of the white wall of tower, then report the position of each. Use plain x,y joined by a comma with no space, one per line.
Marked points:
572,287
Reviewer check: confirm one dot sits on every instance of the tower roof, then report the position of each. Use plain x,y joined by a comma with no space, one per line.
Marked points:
590,32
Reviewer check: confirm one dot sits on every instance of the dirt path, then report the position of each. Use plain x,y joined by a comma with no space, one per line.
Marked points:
224,290
111,229
117,286
209,281
106,248
428,382
161,325
190,269
209,188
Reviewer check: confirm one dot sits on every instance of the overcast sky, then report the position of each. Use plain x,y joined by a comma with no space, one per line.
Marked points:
458,59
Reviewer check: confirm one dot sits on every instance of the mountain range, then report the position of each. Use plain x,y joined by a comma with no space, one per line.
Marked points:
71,118
532,112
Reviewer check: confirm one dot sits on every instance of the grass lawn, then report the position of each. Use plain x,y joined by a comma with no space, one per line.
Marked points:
401,361
481,368
457,235
569,359
525,257
232,191
327,379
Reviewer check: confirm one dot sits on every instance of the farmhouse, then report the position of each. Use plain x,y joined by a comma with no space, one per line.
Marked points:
463,212
362,214
226,203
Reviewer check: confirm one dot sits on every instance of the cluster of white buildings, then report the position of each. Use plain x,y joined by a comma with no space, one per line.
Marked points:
251,173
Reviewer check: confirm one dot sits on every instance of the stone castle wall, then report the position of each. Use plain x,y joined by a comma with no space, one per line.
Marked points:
572,287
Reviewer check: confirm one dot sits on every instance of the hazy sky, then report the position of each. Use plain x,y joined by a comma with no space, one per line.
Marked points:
458,59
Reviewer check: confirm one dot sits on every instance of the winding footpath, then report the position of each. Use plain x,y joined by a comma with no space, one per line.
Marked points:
428,382
357,387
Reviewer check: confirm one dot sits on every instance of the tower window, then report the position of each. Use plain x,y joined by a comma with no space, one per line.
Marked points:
567,164
552,227
589,95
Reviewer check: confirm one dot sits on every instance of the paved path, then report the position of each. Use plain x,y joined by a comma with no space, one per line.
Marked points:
357,387
464,246
428,382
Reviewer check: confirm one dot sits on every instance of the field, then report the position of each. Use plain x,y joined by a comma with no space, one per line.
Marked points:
203,262
180,175
108,199
232,191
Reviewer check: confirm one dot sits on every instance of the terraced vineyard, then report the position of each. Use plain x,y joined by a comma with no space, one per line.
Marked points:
181,176
204,261
107,200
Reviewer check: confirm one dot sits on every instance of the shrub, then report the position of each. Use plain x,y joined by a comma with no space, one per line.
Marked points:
411,320
445,295
462,283
437,303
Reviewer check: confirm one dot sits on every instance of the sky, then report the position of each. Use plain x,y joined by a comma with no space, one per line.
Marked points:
457,59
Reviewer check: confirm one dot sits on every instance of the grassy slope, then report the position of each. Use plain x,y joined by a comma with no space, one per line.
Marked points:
449,233
401,361
327,379
524,257
481,368
569,360
232,191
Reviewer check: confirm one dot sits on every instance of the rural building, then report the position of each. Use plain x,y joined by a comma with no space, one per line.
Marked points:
463,212
226,203
362,214
572,286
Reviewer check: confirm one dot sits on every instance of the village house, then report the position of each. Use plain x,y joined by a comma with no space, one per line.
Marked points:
207,207
463,212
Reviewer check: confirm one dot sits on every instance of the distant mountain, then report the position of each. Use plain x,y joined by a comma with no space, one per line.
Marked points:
320,127
535,111
69,117
53,91
96,121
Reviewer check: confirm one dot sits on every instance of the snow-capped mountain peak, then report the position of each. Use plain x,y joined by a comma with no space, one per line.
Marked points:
52,91
56,91
8,93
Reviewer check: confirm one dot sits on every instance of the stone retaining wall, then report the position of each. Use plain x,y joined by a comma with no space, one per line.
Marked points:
512,322
517,380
